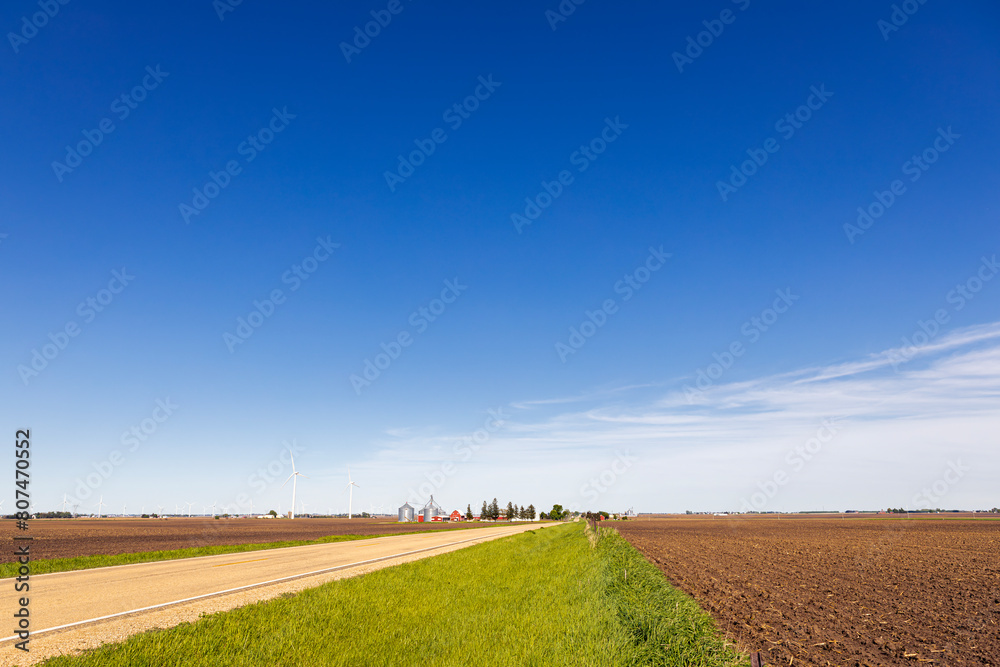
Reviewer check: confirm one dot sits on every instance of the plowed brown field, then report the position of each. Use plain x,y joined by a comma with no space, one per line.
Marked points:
829,591
67,538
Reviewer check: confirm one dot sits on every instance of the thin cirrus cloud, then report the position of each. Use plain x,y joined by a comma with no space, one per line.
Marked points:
897,428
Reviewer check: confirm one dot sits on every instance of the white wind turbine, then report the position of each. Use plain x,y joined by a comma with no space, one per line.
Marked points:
350,488
160,508
99,506
124,506
1,505
190,505
294,477
64,503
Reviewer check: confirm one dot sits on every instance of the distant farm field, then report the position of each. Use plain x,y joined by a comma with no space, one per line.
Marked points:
817,591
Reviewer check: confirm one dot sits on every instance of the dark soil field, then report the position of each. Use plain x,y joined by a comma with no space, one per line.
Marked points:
830,591
67,538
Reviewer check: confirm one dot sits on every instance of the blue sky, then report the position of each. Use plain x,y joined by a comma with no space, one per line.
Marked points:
282,143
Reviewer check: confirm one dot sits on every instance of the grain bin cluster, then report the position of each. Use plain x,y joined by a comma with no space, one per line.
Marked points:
429,512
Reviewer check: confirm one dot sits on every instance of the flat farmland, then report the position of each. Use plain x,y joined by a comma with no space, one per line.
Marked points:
832,591
69,538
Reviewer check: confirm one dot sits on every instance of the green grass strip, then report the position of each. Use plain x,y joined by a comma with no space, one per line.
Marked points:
666,626
544,597
47,566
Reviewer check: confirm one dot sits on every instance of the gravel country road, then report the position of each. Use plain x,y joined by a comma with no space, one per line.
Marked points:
147,595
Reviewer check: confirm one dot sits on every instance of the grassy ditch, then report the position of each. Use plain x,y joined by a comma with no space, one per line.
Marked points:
665,626
545,597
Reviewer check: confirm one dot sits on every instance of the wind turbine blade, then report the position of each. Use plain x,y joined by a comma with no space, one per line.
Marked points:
286,481
301,475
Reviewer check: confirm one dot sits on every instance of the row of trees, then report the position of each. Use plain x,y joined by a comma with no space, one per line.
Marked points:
900,510
52,515
557,513
492,512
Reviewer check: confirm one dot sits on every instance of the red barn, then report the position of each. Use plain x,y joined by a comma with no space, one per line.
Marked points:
456,516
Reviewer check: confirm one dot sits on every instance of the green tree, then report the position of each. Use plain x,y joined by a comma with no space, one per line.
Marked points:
273,513
557,513
511,512
468,512
484,515
494,510
531,512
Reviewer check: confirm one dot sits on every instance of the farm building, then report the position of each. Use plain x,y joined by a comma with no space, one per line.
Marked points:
456,516
406,512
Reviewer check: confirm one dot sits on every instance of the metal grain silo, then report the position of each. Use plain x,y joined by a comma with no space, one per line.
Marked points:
431,510
406,513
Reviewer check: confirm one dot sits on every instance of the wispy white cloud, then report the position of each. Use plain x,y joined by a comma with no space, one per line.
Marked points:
584,397
893,357
898,428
